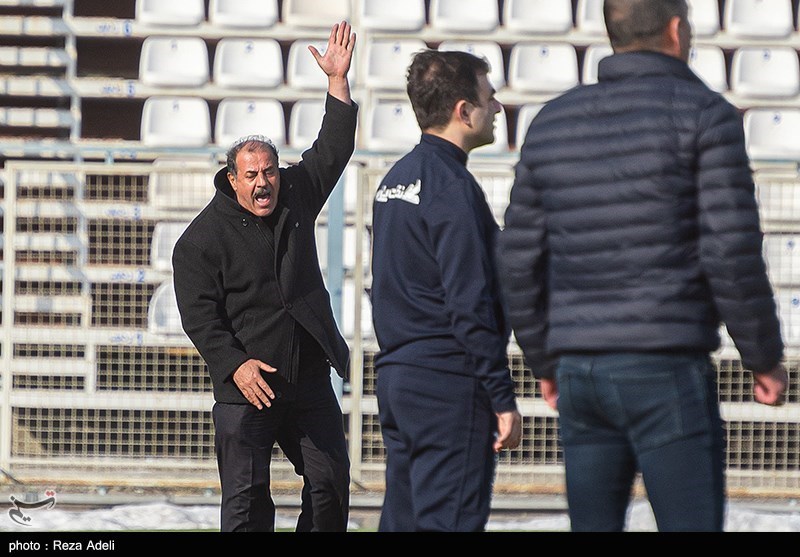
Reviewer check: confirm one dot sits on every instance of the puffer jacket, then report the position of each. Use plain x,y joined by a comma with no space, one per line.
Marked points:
633,224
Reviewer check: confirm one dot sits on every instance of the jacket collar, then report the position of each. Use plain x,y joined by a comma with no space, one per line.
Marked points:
643,63
445,147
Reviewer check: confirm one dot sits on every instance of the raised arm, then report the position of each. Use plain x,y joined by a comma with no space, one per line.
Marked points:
336,60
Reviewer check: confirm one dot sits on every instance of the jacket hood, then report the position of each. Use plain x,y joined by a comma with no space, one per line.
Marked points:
225,193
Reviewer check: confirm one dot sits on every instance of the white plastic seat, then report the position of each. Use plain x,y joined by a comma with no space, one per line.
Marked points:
788,302
542,67
772,134
176,121
704,17
764,19
174,62
589,17
464,16
165,235
248,63
500,144
315,13
387,62
391,126
497,188
180,184
163,317
772,72
538,16
243,14
302,70
391,15
708,62
349,312
489,50
525,116
179,13
305,120
594,53
240,117
782,255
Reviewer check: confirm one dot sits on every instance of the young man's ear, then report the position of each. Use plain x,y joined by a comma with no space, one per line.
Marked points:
462,111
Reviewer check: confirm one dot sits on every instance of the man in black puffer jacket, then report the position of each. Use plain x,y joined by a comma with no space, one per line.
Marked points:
631,235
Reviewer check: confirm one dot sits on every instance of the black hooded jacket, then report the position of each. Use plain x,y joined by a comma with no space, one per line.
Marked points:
243,290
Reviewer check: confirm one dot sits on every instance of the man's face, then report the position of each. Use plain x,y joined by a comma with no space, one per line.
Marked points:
257,181
483,114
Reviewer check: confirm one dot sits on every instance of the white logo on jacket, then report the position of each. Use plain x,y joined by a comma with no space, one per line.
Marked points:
409,193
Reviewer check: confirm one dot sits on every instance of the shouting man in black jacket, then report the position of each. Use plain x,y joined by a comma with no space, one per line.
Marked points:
252,300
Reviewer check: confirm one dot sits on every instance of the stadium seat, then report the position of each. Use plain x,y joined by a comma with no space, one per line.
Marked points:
165,234
772,72
180,184
500,144
304,122
772,134
497,188
248,63
387,61
302,70
239,117
704,17
176,121
788,302
594,53
538,16
243,14
349,312
30,117
163,317
524,118
542,67
391,126
179,13
33,57
391,15
464,16
315,13
589,17
174,62
762,19
708,62
782,254
489,50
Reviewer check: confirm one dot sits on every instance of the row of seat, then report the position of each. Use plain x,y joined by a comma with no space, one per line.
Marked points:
534,67
781,253
745,18
389,125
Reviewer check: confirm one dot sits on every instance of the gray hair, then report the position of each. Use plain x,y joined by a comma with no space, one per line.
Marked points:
251,143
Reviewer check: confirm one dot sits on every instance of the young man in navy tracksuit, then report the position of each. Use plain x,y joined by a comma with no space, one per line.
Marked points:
445,394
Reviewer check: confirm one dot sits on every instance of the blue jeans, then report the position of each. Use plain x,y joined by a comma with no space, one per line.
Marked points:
654,413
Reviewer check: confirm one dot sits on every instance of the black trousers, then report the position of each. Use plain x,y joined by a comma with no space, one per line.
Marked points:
307,423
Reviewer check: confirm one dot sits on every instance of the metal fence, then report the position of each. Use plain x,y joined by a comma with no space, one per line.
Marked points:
100,386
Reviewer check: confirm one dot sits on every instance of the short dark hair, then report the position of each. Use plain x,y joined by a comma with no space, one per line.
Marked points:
640,22
437,80
251,143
